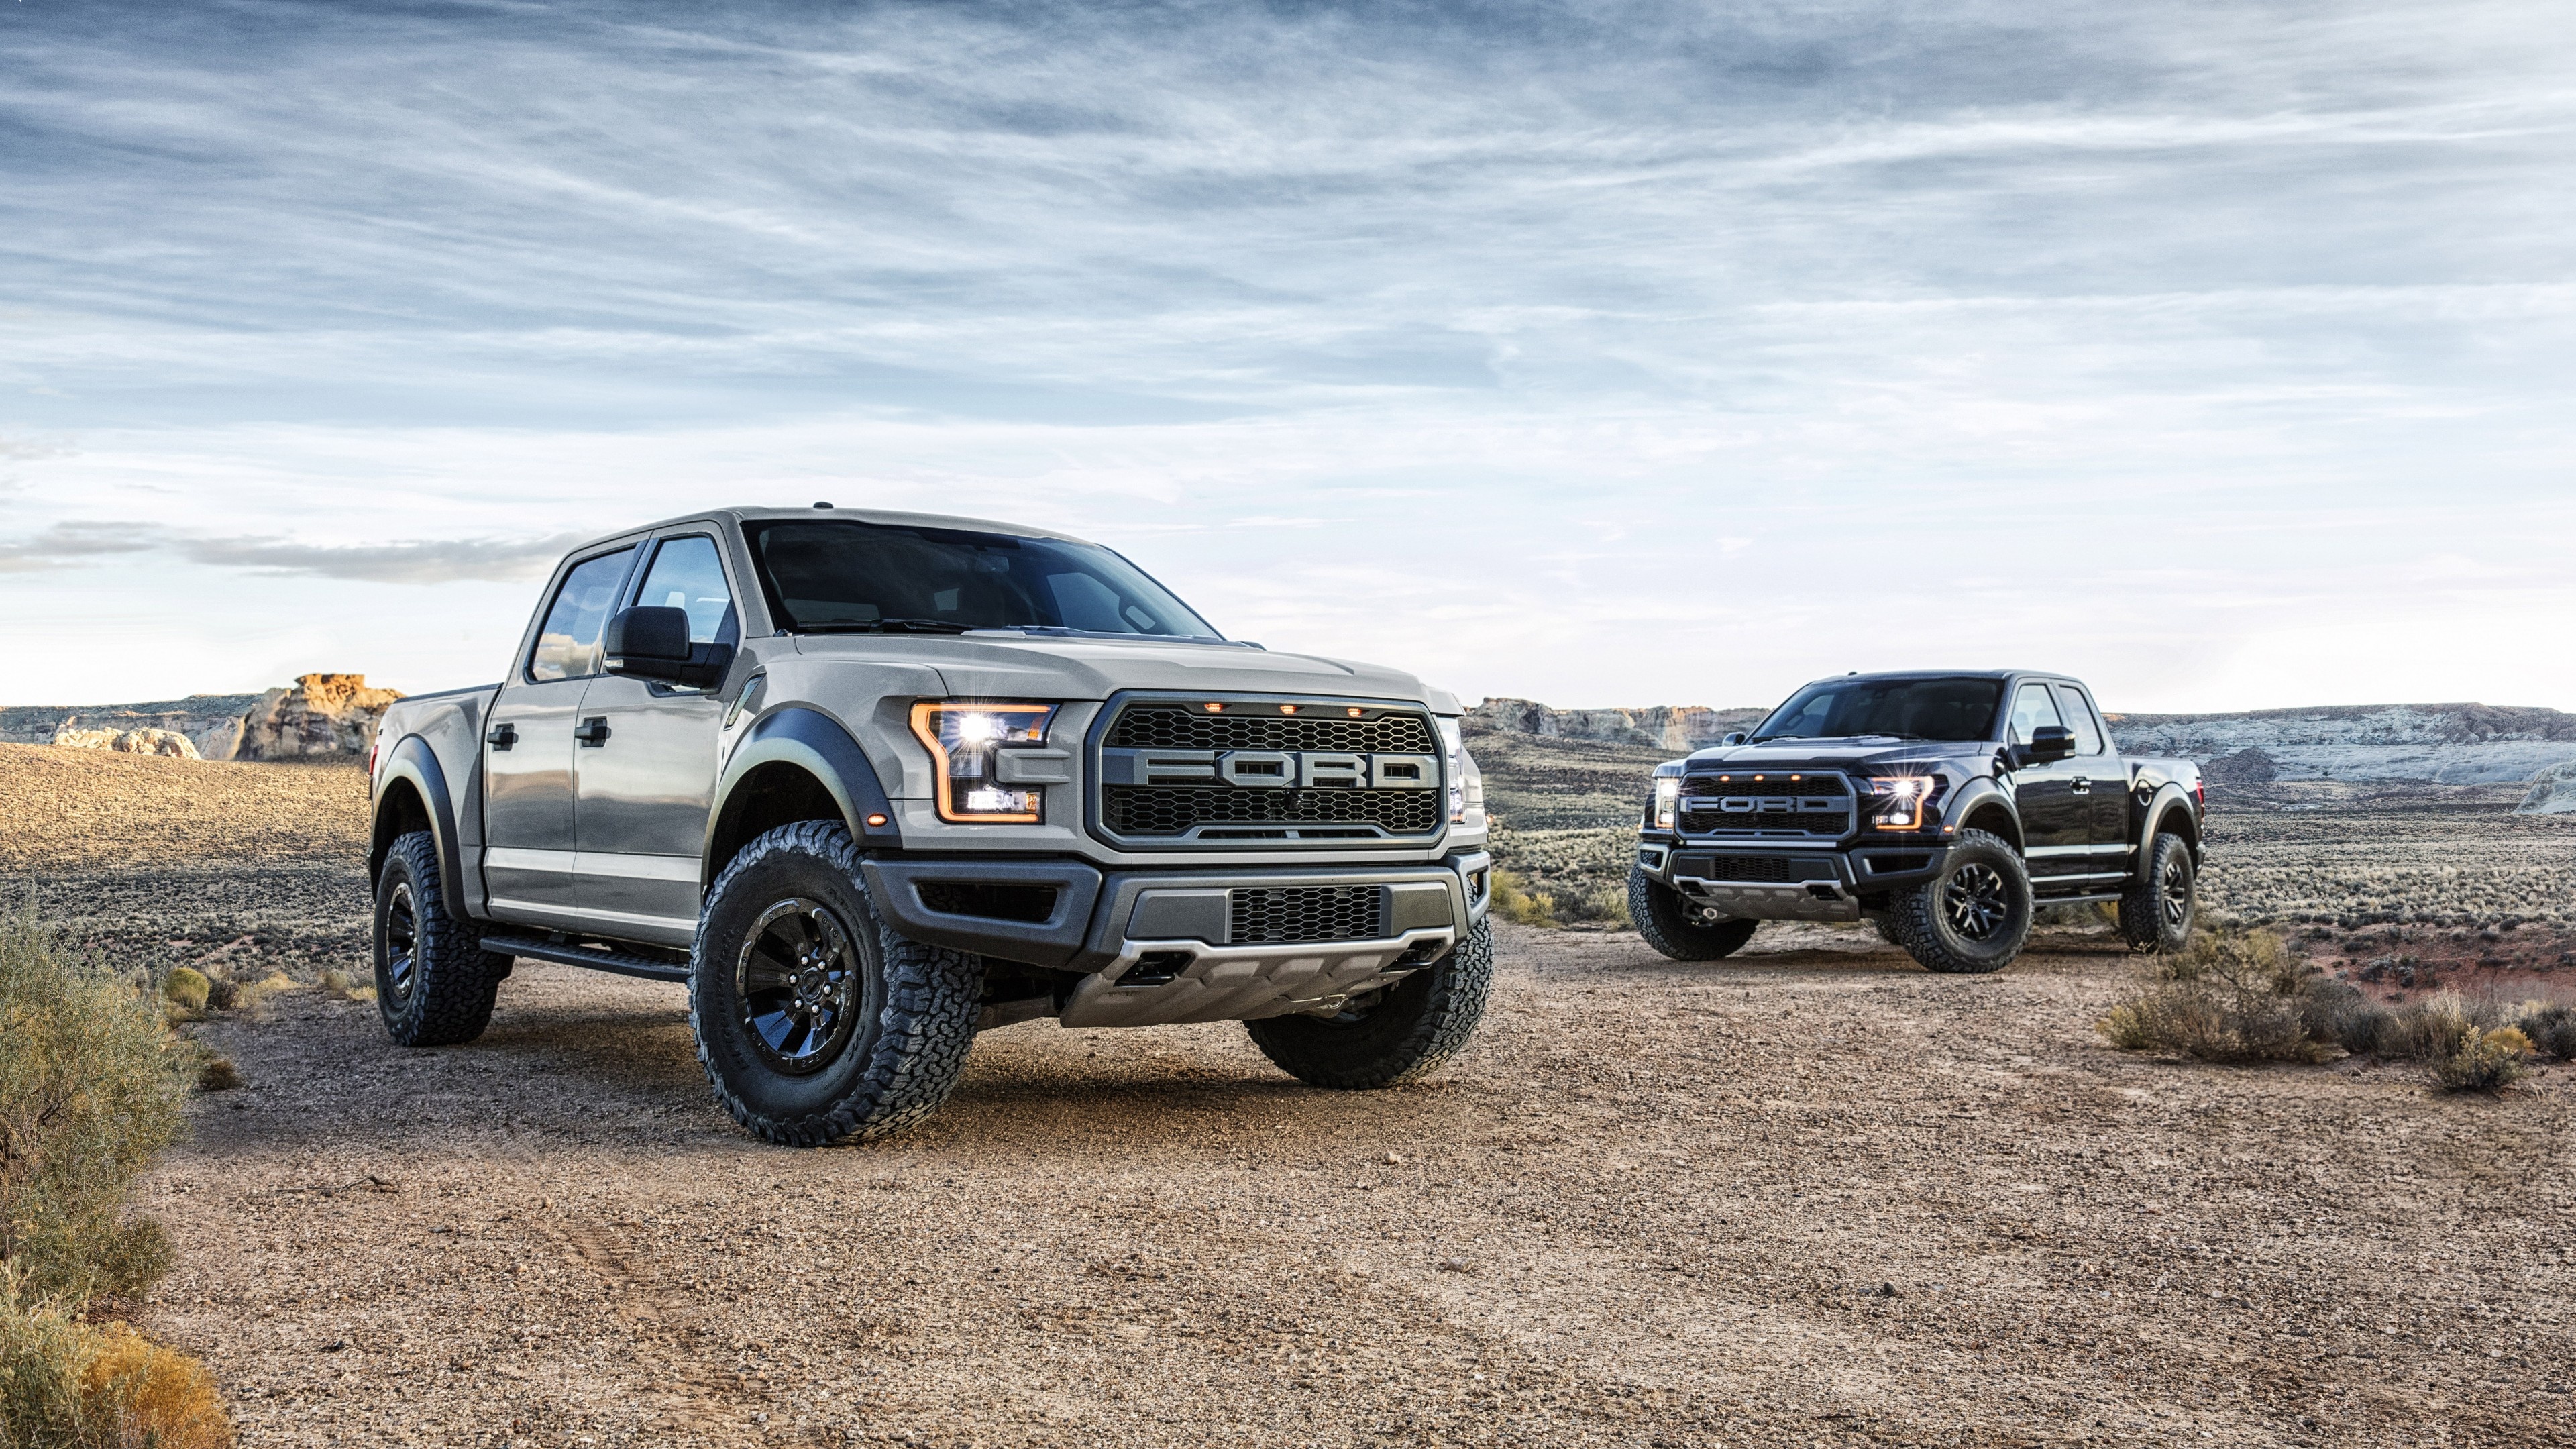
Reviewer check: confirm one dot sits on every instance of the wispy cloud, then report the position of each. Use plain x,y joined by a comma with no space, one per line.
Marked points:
75,543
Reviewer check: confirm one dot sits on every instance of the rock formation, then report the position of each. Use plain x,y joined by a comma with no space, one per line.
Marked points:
2553,792
325,716
145,741
1680,728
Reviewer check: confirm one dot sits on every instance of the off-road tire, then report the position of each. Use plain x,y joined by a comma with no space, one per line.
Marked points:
1928,919
1666,924
1409,1032
913,1007
436,988
2157,914
1885,925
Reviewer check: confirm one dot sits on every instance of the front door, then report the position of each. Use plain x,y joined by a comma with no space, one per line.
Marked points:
529,843
2101,777
646,774
2053,816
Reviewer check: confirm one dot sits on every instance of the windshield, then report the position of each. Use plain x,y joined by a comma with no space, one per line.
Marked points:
841,574
1923,709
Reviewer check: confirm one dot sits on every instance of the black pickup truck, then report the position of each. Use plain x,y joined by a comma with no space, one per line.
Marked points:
1944,807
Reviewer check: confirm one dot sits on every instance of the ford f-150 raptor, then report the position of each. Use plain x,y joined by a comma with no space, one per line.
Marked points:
1944,807
869,783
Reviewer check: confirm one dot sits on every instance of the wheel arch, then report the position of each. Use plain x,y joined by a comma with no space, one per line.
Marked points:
1982,806
2169,812
797,764
411,794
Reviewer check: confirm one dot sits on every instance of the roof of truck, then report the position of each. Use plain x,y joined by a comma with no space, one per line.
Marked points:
813,512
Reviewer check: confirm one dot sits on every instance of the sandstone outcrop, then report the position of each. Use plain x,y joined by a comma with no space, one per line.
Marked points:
324,716
125,742
1680,728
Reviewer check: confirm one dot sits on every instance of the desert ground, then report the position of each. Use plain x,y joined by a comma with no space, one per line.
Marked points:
1809,1195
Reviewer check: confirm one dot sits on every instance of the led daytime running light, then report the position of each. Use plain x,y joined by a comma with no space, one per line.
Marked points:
1901,801
966,741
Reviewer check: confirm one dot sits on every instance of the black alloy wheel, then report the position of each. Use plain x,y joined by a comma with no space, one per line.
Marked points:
402,944
435,984
800,985
2173,883
1971,918
1975,901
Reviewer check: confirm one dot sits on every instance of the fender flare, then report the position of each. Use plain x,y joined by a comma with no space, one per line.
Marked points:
1973,796
816,743
413,761
2168,799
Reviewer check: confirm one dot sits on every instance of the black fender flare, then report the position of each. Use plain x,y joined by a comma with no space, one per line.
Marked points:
2168,800
816,743
1975,795
413,761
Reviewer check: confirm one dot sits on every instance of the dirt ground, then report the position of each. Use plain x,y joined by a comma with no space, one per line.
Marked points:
1809,1195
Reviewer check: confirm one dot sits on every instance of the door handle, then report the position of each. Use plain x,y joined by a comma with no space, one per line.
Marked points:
593,732
501,736
2083,786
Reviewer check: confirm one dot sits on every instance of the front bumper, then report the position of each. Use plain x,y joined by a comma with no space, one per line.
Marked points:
1764,883
1158,945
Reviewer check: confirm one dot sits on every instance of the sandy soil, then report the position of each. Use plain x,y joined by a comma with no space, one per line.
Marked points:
1808,1195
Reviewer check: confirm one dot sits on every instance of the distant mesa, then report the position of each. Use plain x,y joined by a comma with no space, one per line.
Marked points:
319,717
1680,728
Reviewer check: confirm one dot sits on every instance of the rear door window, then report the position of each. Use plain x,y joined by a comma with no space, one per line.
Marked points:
568,643
2079,718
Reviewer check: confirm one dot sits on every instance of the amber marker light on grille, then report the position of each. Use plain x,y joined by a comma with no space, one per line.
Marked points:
1213,708
966,741
1355,711
1287,709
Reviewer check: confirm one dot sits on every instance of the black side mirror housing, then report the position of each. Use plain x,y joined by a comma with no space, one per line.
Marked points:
2047,742
653,643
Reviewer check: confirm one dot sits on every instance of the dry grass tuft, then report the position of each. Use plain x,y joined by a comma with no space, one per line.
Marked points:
2488,1062
186,988
68,1385
2231,996
219,1075
91,1087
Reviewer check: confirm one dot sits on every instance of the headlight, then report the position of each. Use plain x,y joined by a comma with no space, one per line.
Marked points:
1668,798
966,740
1466,782
1898,803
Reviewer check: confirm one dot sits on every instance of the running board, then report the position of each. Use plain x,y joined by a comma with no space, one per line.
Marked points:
615,962
2084,900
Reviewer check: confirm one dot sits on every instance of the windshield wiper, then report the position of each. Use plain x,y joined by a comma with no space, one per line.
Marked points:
896,626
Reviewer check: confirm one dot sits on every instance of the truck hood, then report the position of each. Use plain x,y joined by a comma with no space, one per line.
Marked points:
1004,666
1857,752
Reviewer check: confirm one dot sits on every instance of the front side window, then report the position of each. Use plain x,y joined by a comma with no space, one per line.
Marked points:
842,575
687,575
2031,709
568,643
1921,709
2079,718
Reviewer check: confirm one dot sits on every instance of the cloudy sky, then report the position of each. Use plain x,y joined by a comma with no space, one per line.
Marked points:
1599,354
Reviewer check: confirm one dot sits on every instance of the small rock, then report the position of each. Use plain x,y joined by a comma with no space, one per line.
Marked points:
1393,1158
335,1345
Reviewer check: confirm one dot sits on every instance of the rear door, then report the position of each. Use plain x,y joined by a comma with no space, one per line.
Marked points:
646,775
529,840
2053,817
2101,778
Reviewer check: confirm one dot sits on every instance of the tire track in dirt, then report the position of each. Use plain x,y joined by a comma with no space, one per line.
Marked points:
660,1322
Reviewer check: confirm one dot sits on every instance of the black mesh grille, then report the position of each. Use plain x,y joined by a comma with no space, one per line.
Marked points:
1179,727
1816,822
1814,787
1307,913
1765,869
1173,810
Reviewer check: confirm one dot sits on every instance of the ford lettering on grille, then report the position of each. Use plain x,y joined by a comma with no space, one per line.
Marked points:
1318,772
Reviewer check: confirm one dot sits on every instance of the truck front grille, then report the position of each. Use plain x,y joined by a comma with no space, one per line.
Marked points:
1810,805
1179,727
1168,810
1306,913
1266,773
1756,869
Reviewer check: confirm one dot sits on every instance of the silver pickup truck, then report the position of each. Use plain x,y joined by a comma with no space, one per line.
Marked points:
869,783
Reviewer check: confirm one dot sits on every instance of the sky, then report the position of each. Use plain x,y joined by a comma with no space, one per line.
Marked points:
1599,354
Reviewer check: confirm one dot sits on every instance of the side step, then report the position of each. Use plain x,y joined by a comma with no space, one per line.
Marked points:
564,952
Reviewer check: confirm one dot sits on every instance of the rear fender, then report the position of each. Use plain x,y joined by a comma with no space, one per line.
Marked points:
817,744
414,767
2170,809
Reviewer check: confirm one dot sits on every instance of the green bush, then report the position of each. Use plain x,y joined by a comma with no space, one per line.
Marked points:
91,1086
2486,1062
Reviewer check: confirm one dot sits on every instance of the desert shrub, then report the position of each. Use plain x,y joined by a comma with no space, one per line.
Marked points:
2551,1028
2231,996
222,993
218,1075
335,984
2433,1029
91,1083
187,988
2339,1013
68,1385
1514,901
2485,1062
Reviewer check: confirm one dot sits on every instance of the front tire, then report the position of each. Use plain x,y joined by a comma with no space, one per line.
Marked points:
1409,1032
2157,914
1666,922
816,1021
435,984
1974,916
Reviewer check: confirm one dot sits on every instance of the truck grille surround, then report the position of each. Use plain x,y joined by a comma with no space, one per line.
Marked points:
1264,914
1171,773
1812,806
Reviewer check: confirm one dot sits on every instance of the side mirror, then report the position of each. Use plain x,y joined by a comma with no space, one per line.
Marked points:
2049,742
653,643
1734,737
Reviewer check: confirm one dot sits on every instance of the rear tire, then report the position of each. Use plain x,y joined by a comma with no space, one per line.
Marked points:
1409,1032
1665,921
435,984
2157,914
815,1021
1971,918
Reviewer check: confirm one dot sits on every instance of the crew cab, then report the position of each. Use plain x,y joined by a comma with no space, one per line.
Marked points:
869,783
1945,807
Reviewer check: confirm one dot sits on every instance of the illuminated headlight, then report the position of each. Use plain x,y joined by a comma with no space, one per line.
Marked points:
967,740
1898,804
1668,798
1466,782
